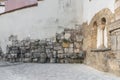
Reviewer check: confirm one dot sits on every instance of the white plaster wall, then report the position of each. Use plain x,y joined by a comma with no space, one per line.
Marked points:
79,7
42,21
70,13
2,9
94,6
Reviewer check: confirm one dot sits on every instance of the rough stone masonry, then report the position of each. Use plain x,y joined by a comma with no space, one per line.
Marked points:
65,47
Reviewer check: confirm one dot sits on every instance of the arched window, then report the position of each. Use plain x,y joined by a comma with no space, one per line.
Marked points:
102,38
103,21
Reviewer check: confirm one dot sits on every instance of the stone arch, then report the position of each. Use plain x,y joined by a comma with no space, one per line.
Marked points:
102,37
105,16
106,13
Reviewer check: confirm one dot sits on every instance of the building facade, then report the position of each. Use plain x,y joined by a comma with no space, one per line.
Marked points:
103,42
100,26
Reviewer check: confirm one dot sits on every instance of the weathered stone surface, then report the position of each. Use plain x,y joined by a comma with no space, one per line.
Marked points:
60,51
114,42
79,38
65,45
105,60
60,48
114,66
66,50
77,45
71,45
71,50
67,35
76,50
118,43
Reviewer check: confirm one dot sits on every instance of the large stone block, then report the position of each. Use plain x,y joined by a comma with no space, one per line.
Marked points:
67,35
76,50
49,47
57,48
60,51
70,50
66,50
48,50
61,56
79,38
65,44
77,45
71,45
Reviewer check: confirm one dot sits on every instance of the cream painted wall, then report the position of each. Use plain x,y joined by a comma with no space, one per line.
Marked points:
42,21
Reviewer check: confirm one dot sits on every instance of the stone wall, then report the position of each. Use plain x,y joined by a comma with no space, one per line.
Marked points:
65,47
104,59
100,59
114,63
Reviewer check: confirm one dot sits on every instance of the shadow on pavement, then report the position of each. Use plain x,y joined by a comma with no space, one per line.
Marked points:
7,64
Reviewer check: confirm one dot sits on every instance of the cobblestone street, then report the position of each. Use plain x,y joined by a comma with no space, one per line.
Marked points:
52,72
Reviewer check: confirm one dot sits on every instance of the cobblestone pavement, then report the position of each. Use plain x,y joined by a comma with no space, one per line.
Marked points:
34,71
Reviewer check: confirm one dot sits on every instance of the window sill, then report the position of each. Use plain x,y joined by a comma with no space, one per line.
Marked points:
100,50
